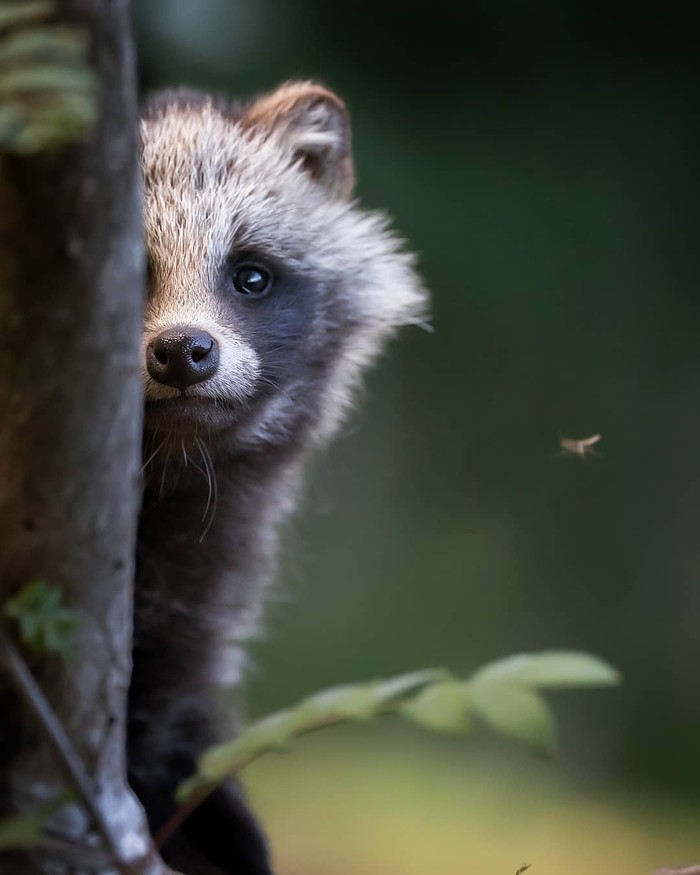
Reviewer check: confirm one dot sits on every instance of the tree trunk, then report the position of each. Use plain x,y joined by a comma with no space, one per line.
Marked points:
71,278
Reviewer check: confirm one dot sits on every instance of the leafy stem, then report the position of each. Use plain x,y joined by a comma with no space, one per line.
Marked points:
505,695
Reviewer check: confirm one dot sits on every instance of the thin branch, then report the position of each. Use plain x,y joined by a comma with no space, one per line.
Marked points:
33,697
175,821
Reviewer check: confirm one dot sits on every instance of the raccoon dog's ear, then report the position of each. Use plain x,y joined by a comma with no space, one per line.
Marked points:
316,125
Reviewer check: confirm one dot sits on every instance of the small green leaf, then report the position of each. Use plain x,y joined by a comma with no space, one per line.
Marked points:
516,712
47,85
357,702
45,626
552,669
19,831
347,702
386,691
47,77
271,733
443,707
24,830
222,760
65,43
16,14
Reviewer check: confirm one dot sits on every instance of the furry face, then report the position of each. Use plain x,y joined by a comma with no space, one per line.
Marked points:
270,290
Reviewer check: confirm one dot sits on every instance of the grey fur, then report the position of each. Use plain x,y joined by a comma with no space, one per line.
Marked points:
223,459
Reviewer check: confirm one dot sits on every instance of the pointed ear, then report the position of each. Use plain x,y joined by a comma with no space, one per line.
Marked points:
315,123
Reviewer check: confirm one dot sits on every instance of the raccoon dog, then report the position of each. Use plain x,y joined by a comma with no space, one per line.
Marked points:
270,292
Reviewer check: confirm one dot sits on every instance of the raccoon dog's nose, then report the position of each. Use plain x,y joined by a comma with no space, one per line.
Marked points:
181,357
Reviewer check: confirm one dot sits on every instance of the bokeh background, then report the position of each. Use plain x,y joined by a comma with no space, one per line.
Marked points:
541,158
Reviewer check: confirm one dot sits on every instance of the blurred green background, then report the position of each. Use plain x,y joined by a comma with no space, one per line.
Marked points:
540,157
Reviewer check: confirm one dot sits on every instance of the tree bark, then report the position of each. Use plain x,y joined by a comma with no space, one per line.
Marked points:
71,279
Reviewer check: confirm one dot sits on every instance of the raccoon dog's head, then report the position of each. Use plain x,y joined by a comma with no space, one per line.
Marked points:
269,289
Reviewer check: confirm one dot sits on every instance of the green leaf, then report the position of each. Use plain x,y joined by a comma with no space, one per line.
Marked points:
16,14
517,712
225,759
387,691
45,626
358,702
271,733
19,831
443,707
47,77
47,86
65,43
347,702
551,669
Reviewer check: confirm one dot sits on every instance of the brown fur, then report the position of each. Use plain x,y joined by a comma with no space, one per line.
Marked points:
318,122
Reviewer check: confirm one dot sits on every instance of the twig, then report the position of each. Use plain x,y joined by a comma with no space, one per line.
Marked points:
38,704
170,827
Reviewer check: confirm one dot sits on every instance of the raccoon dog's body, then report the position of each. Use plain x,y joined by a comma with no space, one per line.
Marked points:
270,291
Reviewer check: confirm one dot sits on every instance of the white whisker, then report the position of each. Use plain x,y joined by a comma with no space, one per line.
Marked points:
165,466
213,495
153,454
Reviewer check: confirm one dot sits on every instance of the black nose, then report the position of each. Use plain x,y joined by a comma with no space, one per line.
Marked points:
181,357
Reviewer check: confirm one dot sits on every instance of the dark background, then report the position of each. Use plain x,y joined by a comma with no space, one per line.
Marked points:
541,158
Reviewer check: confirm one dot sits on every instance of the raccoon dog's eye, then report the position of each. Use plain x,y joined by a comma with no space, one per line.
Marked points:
251,280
